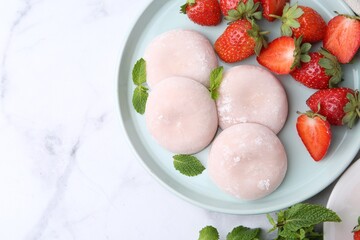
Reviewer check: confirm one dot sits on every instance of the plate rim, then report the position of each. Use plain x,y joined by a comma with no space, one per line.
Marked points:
347,172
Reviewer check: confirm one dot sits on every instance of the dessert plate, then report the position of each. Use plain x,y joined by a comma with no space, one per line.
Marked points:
344,200
304,177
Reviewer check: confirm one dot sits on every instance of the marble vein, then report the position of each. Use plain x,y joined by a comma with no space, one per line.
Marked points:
57,197
20,18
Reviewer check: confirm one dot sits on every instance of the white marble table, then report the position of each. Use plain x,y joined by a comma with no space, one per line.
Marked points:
66,171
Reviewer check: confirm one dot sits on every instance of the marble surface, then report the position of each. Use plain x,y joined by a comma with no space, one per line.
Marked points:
66,171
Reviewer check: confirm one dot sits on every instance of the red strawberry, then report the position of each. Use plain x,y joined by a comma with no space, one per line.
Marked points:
356,231
342,37
273,7
203,12
315,133
227,5
339,105
284,54
323,71
240,40
302,21
245,9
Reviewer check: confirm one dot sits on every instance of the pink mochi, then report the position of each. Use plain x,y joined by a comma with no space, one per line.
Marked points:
247,160
179,52
181,116
252,94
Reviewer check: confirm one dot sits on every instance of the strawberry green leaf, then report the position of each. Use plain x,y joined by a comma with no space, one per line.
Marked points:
215,81
188,165
183,8
300,52
244,233
248,10
139,72
332,67
289,19
139,99
208,233
352,109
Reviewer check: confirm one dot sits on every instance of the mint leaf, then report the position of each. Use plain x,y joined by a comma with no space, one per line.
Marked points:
139,72
139,99
188,165
209,233
300,219
244,233
215,81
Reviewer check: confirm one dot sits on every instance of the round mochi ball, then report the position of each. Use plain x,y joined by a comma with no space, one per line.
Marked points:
181,115
248,161
180,52
251,94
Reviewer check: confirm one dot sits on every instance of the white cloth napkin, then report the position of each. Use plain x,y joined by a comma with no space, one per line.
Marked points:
355,5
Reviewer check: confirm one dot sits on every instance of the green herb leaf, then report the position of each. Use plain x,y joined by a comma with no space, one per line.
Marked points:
215,81
244,233
139,98
139,72
188,165
208,233
303,216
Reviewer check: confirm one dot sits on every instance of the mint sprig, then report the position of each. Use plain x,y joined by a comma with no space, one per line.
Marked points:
298,221
295,223
188,165
216,76
140,94
208,233
244,233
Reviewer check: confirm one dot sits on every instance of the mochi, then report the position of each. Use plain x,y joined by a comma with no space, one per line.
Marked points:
247,160
181,115
178,52
251,94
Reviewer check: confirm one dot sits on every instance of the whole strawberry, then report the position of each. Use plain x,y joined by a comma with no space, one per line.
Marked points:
340,106
240,40
356,231
283,54
227,5
315,133
272,7
323,71
203,12
342,37
302,21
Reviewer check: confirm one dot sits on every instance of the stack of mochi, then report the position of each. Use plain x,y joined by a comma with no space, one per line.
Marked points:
247,159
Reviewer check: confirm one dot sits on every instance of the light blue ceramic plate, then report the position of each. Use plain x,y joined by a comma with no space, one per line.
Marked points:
304,178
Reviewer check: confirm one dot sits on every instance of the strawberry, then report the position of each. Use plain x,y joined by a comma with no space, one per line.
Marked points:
284,54
356,230
302,21
343,30
240,40
323,71
340,106
273,7
315,133
245,9
227,5
203,12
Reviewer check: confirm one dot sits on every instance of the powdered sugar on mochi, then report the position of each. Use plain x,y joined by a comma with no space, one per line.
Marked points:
181,115
180,52
248,161
251,94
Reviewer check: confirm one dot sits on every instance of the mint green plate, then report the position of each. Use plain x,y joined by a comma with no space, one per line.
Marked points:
304,178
